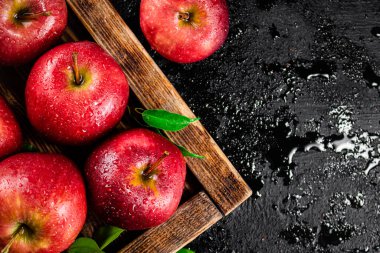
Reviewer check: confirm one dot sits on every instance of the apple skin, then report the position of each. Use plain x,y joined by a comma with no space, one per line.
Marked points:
112,170
21,42
10,132
185,41
45,192
71,114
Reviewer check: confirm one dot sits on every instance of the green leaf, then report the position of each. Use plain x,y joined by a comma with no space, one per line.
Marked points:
106,235
165,120
84,245
185,152
185,251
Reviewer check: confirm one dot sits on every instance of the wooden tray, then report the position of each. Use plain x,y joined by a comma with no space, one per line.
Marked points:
213,187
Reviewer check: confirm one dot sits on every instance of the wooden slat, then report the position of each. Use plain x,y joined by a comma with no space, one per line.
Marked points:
153,89
191,219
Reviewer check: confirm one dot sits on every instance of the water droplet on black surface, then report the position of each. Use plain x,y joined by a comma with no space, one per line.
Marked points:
356,145
335,234
265,4
296,73
369,75
299,233
317,69
256,183
278,155
272,68
274,32
357,201
358,250
376,31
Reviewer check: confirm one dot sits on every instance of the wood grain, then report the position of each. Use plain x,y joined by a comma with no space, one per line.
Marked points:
153,89
190,220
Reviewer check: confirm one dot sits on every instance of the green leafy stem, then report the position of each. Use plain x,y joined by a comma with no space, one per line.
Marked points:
104,236
167,121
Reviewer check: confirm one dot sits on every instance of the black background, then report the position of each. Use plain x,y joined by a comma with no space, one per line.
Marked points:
254,98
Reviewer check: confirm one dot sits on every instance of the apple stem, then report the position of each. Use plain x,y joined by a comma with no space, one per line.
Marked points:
28,16
19,232
77,76
154,166
184,16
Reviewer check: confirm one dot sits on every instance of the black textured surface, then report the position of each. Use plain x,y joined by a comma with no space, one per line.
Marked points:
259,96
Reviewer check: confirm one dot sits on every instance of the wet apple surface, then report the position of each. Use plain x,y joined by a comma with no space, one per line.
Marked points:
29,27
136,179
75,93
185,31
10,132
43,203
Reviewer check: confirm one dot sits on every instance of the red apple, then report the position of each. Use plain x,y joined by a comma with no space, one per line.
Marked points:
75,93
136,179
10,132
185,31
29,27
43,203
